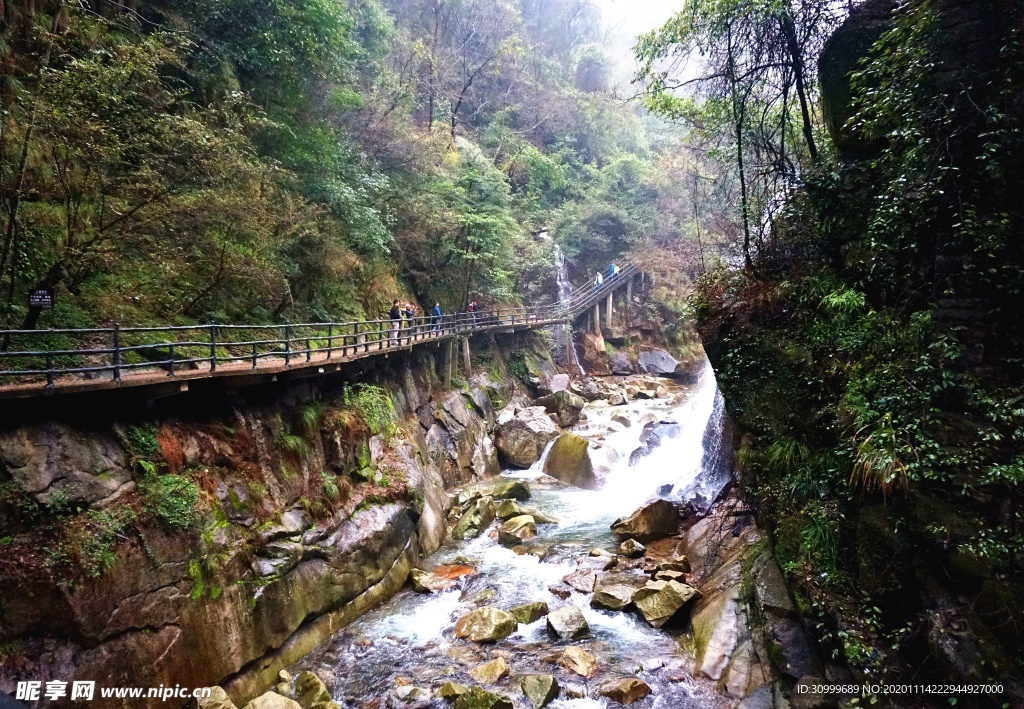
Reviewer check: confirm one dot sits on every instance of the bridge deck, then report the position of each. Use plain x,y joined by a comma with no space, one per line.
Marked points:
115,358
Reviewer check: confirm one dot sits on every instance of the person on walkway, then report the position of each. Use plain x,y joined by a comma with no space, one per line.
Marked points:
436,317
396,323
598,280
471,309
410,317
613,271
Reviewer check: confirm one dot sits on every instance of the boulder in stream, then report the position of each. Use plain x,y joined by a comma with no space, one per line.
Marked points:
485,625
583,580
529,612
499,488
478,698
659,601
490,672
426,582
218,699
658,362
578,660
612,597
310,690
541,690
475,519
625,691
569,461
517,530
522,440
510,508
450,691
654,520
632,549
565,406
568,622
272,700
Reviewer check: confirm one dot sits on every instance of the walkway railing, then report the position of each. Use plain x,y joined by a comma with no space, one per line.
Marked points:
53,358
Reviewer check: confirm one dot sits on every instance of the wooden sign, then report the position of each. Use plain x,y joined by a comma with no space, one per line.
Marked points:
40,298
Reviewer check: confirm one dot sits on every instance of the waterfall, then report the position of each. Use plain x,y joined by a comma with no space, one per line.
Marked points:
564,296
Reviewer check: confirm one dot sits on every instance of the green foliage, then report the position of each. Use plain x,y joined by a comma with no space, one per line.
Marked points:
89,540
142,441
374,406
172,499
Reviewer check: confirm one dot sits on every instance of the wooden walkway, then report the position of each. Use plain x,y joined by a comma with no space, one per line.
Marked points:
41,362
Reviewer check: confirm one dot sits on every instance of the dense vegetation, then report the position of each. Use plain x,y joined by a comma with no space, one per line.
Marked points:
262,160
871,348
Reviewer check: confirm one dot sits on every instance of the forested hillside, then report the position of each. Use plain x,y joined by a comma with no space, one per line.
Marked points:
264,160
870,348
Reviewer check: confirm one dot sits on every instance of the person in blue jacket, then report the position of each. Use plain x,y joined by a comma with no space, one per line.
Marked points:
436,313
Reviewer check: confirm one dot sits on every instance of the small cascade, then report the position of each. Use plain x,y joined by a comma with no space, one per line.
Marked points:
564,296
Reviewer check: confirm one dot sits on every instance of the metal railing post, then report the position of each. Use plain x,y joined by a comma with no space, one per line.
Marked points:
330,338
213,347
255,356
49,371
309,351
170,363
288,345
117,353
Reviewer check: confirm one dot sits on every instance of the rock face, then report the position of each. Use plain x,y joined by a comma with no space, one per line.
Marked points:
288,580
657,362
659,601
485,625
568,622
310,690
564,405
626,691
522,440
541,690
652,521
569,461
475,520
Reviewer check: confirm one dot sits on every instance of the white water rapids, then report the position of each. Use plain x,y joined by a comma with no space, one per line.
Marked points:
410,637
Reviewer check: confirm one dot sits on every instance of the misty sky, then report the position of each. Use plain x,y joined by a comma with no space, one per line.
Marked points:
625,19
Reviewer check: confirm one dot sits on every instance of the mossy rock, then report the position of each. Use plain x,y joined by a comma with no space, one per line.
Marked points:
569,461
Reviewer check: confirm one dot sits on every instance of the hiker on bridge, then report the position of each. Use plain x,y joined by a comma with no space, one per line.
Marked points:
598,280
410,316
435,318
471,309
613,270
396,323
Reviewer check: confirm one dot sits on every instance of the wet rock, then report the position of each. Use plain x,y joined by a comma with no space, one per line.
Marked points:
475,519
568,622
770,589
485,625
652,521
450,691
499,488
272,700
632,548
622,419
517,530
426,582
541,690
657,362
554,384
658,601
522,440
617,398
560,591
510,508
411,693
583,580
565,405
613,597
569,461
529,612
310,690
218,699
477,698
578,660
620,364
625,691
490,672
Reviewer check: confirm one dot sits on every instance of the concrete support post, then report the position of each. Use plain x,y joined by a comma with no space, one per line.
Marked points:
597,317
466,364
608,311
449,350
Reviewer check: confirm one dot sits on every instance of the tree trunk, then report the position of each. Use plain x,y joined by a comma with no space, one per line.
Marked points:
797,59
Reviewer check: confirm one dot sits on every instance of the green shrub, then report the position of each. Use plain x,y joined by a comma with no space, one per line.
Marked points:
172,499
375,408
89,539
